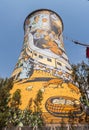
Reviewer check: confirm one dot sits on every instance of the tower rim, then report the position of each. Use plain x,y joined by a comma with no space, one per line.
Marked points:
43,10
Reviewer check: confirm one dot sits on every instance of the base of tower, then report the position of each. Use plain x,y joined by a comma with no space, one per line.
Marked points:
60,98
63,118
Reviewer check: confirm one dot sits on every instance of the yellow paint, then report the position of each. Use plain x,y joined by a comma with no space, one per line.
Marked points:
53,89
16,71
47,55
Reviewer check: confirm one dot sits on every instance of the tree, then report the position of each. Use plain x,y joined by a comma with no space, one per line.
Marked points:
5,87
37,120
10,114
38,100
16,99
81,79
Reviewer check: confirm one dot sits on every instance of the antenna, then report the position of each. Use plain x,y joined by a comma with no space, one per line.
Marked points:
80,43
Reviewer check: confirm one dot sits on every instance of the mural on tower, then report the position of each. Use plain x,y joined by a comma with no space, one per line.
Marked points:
43,65
43,47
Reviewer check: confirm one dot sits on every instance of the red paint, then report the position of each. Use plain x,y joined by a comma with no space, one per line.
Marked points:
87,52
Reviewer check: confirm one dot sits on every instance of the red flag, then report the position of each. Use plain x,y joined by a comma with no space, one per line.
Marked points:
87,52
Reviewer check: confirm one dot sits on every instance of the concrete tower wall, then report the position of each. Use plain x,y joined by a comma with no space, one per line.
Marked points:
43,66
43,45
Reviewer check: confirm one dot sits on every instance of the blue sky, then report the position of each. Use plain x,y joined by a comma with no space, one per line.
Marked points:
75,16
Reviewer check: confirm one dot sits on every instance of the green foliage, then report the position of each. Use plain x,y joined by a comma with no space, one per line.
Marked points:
6,83
81,73
26,117
39,96
10,114
16,99
81,78
14,117
29,107
37,101
5,86
36,119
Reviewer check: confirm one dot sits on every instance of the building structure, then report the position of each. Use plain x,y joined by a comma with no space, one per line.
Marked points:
43,66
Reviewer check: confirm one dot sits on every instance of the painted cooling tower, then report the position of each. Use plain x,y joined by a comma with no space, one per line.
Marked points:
43,65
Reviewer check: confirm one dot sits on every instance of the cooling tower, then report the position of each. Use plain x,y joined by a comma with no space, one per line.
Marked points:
43,65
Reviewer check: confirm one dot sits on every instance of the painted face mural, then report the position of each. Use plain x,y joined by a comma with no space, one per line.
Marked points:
43,46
